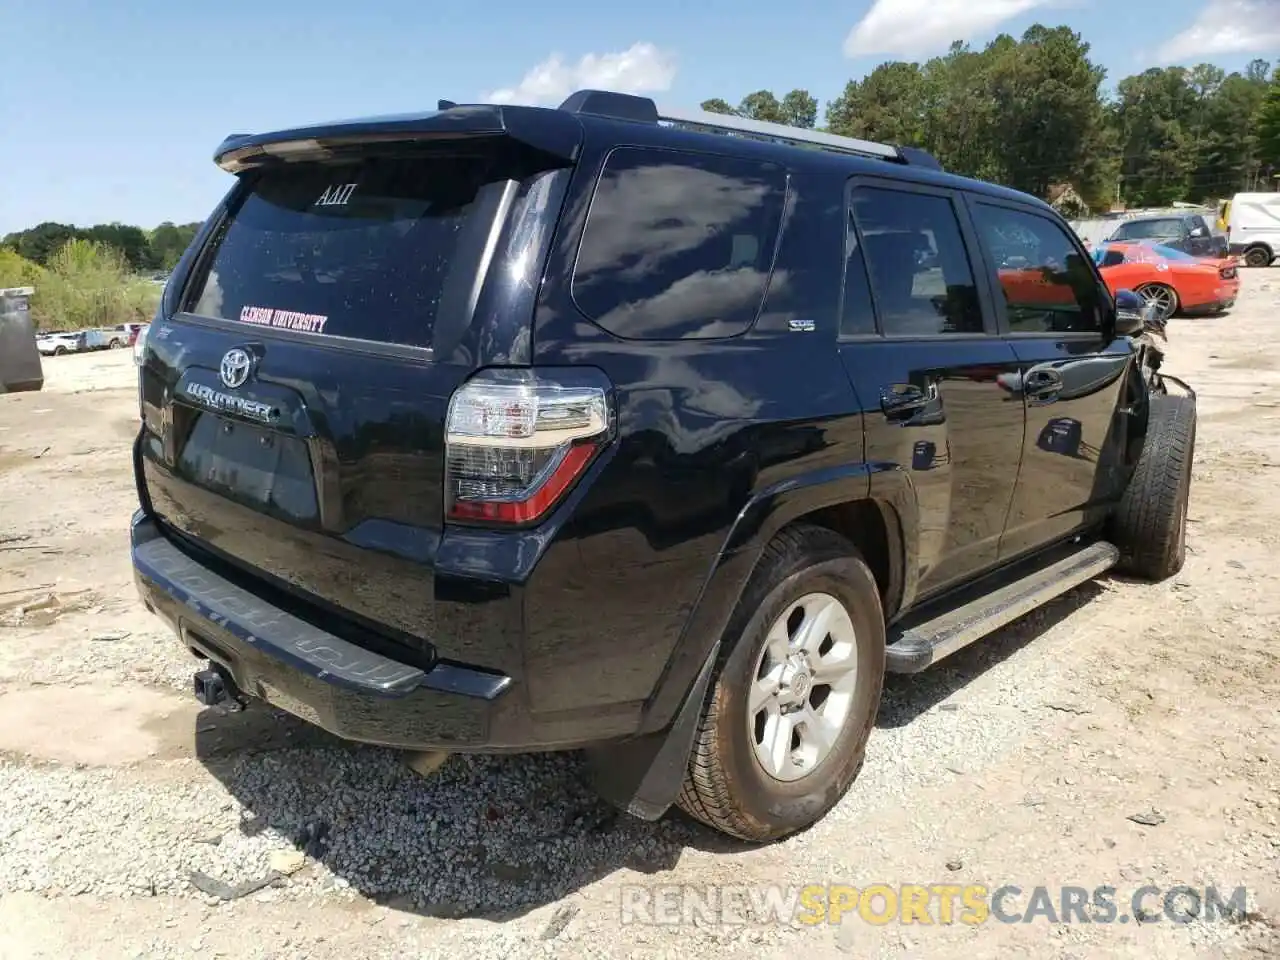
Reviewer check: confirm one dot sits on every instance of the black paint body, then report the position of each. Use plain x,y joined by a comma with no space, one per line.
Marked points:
593,625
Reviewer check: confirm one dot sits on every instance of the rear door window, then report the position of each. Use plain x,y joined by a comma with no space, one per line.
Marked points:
363,249
918,263
678,245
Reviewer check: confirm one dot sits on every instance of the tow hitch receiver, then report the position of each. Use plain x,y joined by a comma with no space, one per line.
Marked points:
213,688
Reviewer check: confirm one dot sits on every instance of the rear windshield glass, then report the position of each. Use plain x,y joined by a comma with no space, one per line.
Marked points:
361,249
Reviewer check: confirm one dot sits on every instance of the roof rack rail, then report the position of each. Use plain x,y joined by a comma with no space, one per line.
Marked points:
779,131
622,106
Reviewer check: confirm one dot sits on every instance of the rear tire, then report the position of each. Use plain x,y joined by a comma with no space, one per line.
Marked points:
808,577
1150,525
1164,295
1259,256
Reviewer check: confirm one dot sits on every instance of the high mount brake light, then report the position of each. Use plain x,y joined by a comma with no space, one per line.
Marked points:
516,441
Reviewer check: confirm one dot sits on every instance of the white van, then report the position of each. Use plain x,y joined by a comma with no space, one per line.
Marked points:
1253,227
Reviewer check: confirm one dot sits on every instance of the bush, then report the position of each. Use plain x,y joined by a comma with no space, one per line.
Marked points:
17,271
89,284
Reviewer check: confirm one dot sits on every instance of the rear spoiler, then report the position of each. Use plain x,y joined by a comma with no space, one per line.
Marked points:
555,132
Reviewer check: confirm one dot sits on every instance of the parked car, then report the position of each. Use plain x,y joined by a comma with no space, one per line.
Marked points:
571,428
1173,281
58,343
107,338
130,331
1253,227
1188,232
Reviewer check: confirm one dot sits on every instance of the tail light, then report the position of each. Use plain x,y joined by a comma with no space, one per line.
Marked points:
516,441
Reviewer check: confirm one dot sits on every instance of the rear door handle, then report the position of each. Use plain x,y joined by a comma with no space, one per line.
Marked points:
907,397
1042,383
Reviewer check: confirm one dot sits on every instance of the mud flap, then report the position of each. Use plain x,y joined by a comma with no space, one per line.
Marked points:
643,776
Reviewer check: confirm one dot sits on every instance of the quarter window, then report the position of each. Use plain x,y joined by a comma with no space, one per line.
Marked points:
679,245
917,261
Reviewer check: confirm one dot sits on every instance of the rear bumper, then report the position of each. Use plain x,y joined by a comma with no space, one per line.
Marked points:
352,692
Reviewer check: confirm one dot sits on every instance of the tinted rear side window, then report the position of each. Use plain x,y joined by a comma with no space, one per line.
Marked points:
919,264
362,249
678,245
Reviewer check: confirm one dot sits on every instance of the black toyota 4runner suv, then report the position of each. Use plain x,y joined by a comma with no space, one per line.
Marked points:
663,437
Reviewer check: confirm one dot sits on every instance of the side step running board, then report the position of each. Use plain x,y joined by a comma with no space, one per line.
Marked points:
924,644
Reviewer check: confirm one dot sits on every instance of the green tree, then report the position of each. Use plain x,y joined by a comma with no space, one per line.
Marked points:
887,105
1225,132
168,242
959,109
90,284
40,242
800,109
131,242
1049,108
1268,127
797,109
1152,118
762,105
16,270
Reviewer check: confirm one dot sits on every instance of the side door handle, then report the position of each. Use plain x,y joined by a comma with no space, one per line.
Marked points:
1041,383
907,398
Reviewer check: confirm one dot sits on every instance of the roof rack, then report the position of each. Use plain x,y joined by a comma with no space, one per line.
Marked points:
623,106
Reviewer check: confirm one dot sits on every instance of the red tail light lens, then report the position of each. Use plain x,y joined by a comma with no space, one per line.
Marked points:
516,442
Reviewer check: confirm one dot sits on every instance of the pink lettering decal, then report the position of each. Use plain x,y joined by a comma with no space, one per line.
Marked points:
284,319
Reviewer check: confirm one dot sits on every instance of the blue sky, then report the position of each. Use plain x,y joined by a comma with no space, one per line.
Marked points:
110,112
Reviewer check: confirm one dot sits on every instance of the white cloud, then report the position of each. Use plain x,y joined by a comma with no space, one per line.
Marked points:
914,28
1225,27
641,68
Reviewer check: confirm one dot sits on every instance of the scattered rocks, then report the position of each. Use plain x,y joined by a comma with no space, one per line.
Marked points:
1063,707
560,919
286,862
226,891
1148,818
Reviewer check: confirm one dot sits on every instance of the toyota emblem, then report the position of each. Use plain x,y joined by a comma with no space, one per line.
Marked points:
236,364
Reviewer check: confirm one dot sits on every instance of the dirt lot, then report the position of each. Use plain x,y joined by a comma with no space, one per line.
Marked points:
1126,736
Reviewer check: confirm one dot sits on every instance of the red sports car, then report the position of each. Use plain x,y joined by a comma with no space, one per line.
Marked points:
1175,281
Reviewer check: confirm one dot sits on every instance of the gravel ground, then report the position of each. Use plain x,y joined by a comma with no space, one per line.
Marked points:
134,824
